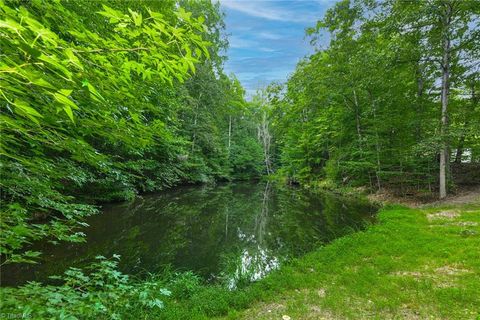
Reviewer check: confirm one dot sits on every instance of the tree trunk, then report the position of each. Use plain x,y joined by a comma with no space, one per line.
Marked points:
444,157
459,153
377,143
265,137
420,89
357,119
229,134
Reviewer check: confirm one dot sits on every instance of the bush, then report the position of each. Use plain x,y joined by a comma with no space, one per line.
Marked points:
99,291
184,285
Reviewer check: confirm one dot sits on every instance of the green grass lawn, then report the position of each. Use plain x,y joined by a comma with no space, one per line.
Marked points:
412,264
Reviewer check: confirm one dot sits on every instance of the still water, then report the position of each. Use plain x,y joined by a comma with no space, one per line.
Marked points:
229,233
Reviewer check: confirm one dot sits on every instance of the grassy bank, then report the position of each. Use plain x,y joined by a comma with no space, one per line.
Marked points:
413,264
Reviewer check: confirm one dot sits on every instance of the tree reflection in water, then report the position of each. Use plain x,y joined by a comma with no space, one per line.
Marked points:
233,233
256,261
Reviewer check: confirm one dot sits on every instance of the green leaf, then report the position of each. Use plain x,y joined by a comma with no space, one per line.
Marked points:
42,83
61,97
114,15
65,92
30,112
136,17
10,24
69,112
72,58
54,62
94,93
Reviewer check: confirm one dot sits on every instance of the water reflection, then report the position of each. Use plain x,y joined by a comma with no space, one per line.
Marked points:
232,233
256,261
252,266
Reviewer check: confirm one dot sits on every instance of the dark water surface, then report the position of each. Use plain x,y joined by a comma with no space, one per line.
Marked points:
231,233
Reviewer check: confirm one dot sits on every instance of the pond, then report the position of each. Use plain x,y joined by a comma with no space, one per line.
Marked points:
229,233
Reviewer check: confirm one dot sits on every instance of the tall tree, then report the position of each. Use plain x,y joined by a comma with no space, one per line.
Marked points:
377,107
448,31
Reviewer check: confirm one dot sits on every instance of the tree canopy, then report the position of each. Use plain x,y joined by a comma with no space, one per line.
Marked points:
102,100
395,92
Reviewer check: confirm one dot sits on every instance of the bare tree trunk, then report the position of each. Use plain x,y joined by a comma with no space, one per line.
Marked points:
357,119
444,157
377,144
459,153
229,134
265,137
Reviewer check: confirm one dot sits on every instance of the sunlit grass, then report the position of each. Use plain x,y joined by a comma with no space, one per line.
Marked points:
411,264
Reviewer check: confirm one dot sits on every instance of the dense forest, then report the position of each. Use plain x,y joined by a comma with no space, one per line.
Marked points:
393,102
99,104
104,100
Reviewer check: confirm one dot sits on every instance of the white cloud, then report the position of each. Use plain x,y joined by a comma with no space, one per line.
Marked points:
270,35
236,42
264,49
265,10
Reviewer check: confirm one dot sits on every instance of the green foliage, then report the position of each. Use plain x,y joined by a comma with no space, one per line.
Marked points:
365,111
102,100
403,250
184,285
247,158
99,291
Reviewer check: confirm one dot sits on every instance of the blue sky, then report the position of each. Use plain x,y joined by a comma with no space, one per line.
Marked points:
267,37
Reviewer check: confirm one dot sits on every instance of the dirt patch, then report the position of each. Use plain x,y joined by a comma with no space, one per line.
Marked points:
464,224
409,313
442,215
447,270
442,277
276,311
451,270
464,195
385,196
322,293
318,313
266,311
413,274
269,308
